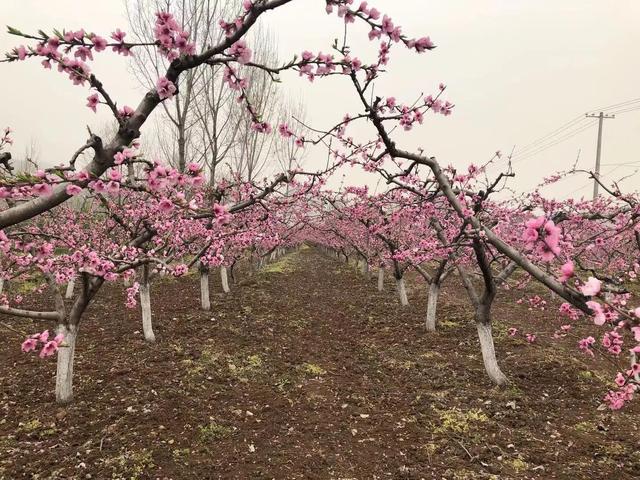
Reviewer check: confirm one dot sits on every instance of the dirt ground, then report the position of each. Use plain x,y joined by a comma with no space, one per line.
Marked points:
306,371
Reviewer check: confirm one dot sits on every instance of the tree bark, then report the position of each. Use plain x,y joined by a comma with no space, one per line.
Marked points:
224,279
432,306
402,291
483,324
64,370
70,286
145,304
205,301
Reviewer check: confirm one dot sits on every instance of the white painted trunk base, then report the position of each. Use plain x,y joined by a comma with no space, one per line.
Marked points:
145,304
402,292
224,279
70,286
432,307
364,268
64,370
380,279
1,285
489,354
205,301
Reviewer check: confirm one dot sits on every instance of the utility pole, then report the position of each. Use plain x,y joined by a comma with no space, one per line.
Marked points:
601,116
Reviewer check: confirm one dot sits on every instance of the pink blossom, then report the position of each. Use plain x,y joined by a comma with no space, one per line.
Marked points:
193,167
118,35
165,88
49,349
92,101
73,189
22,52
42,189
567,271
241,52
165,205
99,43
591,288
599,317
29,345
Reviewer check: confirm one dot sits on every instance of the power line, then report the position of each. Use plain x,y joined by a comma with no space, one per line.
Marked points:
626,106
556,141
569,124
618,112
617,105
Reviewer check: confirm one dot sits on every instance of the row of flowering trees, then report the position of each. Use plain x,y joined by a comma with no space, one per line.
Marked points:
132,216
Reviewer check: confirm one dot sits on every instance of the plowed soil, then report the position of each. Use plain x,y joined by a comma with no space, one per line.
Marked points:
306,371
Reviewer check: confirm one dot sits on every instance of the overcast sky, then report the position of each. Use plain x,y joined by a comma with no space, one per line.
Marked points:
516,70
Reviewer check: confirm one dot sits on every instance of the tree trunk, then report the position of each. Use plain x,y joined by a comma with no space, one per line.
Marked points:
145,304
1,285
432,306
70,286
64,371
402,291
488,350
364,268
205,302
380,279
224,279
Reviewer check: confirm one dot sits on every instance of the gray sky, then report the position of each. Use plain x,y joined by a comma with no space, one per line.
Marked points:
516,70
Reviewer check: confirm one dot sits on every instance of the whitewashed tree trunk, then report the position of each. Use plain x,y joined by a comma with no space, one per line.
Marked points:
432,306
70,286
364,268
1,285
64,371
489,353
224,279
380,279
205,301
402,292
145,304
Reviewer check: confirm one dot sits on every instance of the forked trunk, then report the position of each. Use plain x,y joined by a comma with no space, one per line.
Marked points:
224,279
64,371
432,306
205,301
380,279
70,286
488,350
402,292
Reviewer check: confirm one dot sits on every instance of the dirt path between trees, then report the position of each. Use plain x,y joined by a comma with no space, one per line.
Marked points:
306,371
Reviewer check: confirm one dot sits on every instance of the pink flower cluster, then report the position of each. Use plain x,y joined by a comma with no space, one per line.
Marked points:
221,213
544,236
617,399
132,293
48,347
165,88
586,344
612,341
240,51
172,40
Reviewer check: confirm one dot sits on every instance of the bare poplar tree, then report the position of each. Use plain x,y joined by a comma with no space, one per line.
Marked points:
200,18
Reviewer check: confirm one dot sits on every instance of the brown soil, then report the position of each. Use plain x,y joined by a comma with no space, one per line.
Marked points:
305,371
